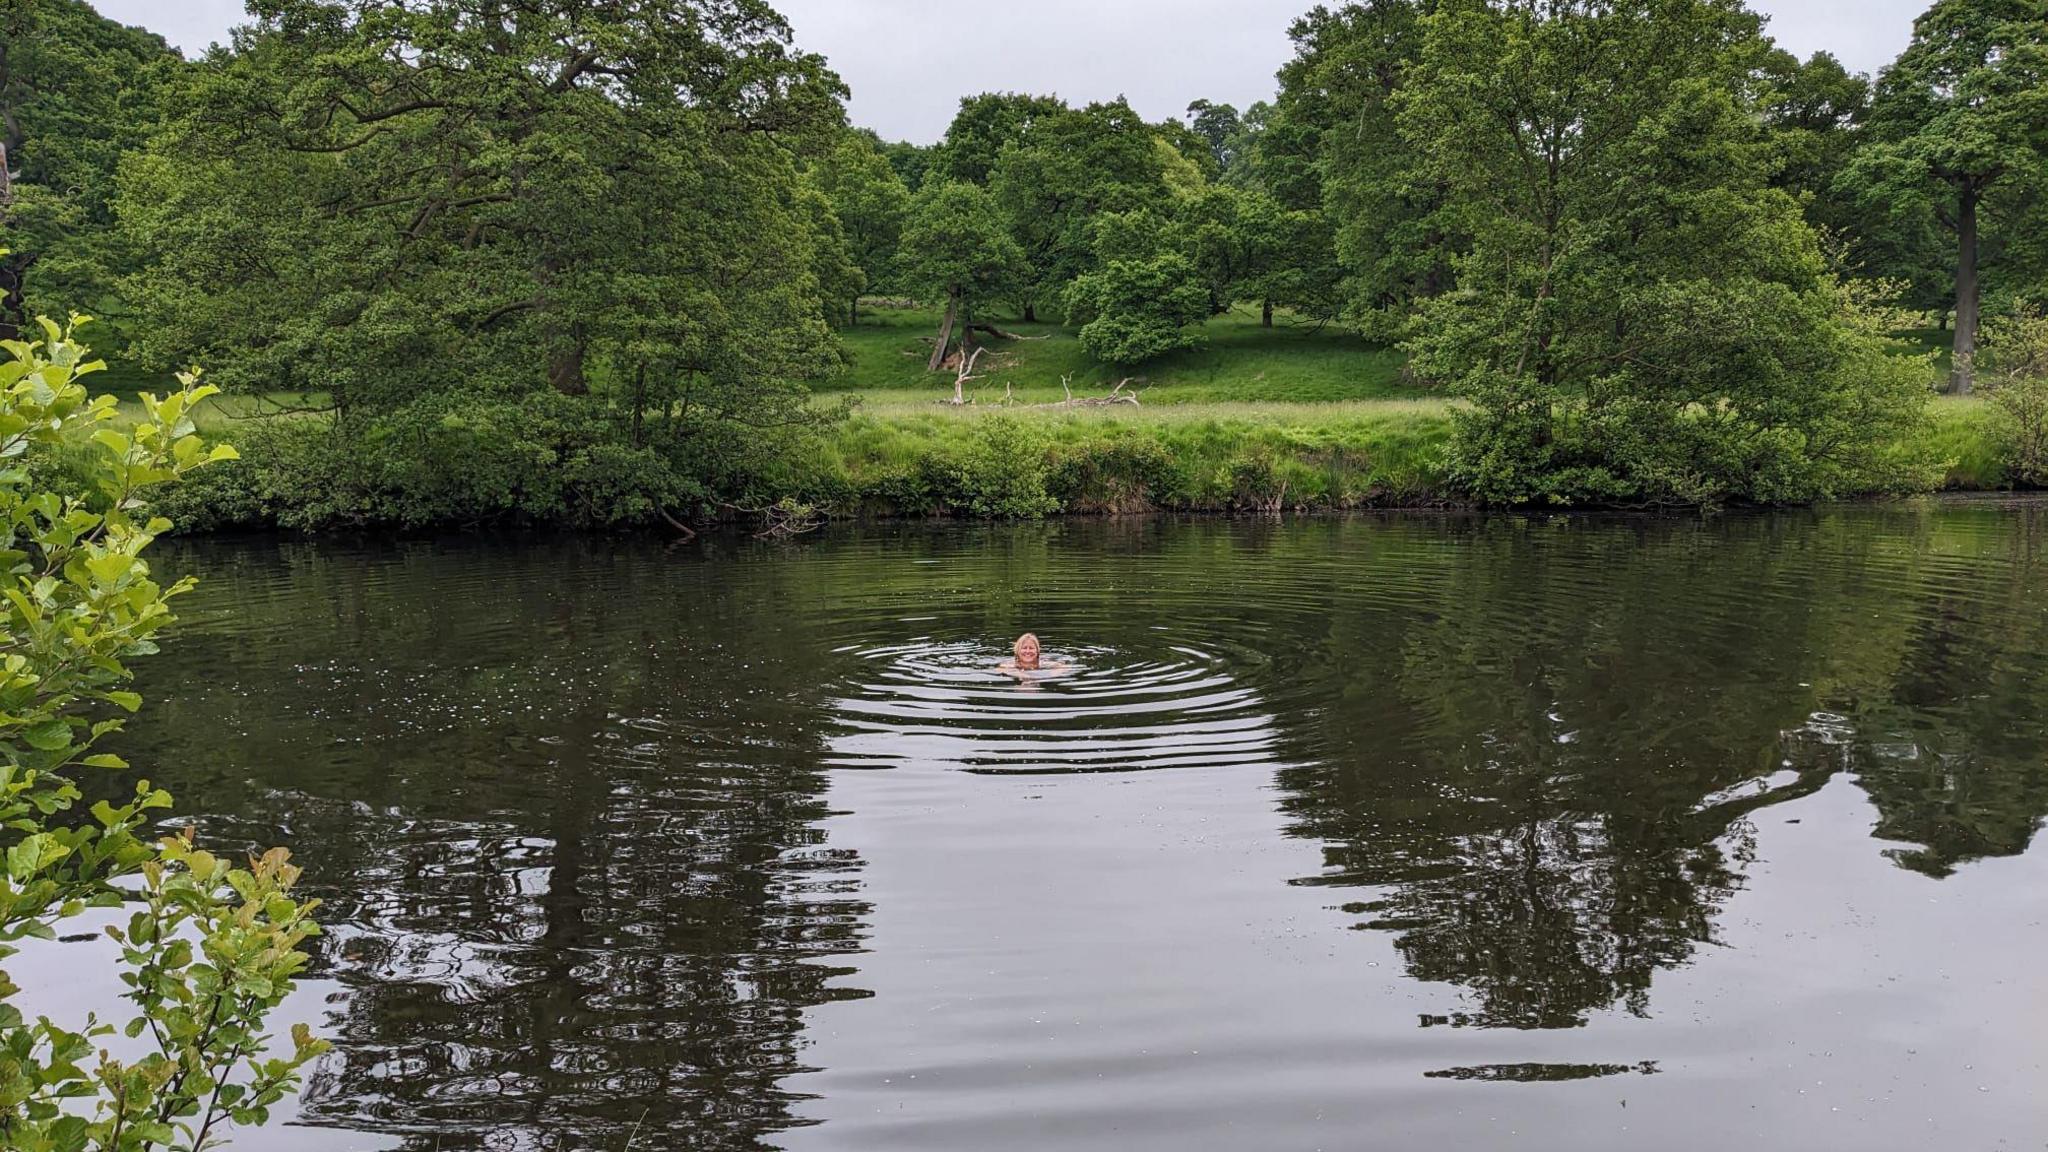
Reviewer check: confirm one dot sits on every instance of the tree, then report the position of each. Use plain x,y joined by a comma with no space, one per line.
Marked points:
1338,147
1961,113
1221,128
208,949
957,247
984,127
1143,298
1813,110
910,161
386,202
870,202
1248,248
1641,317
834,266
1067,170
76,91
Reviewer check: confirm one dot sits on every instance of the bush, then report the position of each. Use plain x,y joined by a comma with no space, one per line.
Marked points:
2019,344
1821,414
543,460
1003,473
1119,472
210,948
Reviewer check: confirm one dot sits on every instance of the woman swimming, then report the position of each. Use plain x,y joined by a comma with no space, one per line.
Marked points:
1024,657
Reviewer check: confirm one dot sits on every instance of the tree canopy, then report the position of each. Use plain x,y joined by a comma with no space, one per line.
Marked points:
378,201
76,92
1640,314
1961,116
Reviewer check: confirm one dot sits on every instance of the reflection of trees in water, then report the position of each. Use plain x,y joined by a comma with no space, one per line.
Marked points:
1953,747
1547,785
567,836
569,827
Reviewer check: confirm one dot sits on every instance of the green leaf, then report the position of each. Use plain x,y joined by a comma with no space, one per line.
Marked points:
49,736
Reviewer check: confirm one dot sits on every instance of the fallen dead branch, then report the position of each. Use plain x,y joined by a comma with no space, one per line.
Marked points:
785,518
1116,395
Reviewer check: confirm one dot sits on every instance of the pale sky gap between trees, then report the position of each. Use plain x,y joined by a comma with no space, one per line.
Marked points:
910,61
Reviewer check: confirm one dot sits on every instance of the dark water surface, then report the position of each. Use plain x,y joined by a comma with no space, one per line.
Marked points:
1373,834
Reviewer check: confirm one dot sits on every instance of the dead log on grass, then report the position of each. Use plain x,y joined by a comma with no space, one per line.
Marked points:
1115,396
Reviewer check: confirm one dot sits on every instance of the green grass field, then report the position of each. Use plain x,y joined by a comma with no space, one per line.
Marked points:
1242,363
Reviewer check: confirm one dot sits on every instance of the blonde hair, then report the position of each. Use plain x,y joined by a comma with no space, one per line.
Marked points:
1017,649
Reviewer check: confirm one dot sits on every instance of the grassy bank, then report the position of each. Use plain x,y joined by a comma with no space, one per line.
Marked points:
1287,418
1207,457
1969,434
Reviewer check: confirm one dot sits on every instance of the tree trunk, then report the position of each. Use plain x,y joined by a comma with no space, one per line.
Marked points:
639,403
565,365
853,314
1031,311
13,299
938,359
1966,292
1266,314
13,268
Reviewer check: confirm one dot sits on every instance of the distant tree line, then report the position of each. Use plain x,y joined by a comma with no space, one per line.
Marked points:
1657,254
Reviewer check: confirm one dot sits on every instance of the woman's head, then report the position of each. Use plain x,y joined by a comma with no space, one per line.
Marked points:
1026,650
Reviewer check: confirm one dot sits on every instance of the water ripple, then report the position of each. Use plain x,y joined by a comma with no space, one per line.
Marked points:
946,704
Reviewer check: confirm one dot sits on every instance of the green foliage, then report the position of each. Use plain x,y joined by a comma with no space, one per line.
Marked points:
957,246
1063,174
1022,463
1002,474
1641,318
211,948
550,460
1958,123
2019,344
983,128
1119,470
870,203
1336,146
1811,110
909,161
1221,130
381,202
76,91
1250,248
1142,300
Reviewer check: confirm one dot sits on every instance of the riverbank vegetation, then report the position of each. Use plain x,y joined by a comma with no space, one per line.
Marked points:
206,948
629,266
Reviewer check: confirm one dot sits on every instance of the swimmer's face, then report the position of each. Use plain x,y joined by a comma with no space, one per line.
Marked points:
1027,651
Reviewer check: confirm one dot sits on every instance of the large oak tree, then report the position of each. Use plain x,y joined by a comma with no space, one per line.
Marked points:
380,199
1961,114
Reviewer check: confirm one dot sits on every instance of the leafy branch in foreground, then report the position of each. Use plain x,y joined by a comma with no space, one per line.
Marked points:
209,948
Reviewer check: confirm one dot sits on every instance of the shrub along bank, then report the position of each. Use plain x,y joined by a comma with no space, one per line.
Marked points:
526,466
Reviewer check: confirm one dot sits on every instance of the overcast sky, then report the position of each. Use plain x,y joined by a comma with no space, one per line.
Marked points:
910,61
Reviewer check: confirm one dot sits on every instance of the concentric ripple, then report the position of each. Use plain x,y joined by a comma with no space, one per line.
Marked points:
932,703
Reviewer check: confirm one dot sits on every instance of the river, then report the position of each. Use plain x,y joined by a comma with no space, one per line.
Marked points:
1374,833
